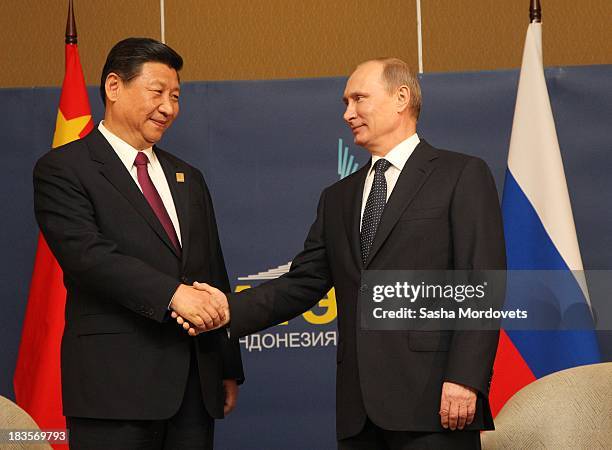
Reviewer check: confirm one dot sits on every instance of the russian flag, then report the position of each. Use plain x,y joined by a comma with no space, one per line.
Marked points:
540,233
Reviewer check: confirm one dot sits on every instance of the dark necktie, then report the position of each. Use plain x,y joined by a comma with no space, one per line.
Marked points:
152,196
374,207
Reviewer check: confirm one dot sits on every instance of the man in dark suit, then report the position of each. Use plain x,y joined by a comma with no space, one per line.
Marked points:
412,207
132,227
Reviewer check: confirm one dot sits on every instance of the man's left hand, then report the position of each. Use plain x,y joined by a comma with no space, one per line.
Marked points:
457,405
231,396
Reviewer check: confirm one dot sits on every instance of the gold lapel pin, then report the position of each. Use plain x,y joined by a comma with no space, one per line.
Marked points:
180,177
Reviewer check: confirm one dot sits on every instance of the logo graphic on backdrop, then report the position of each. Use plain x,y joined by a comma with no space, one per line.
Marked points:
322,315
268,274
346,161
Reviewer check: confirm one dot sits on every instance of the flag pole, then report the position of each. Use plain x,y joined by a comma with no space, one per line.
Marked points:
535,11
71,31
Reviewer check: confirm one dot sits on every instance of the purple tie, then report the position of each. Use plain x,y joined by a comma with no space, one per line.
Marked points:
152,196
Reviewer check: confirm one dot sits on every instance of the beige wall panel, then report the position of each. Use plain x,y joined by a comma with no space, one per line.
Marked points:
489,34
473,34
258,39
32,35
577,32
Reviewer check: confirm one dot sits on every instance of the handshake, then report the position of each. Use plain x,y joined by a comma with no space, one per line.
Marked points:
199,308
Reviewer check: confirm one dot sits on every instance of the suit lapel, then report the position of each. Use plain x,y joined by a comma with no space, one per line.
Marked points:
413,175
352,210
180,196
115,172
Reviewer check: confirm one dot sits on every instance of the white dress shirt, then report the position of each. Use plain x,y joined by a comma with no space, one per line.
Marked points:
127,155
397,157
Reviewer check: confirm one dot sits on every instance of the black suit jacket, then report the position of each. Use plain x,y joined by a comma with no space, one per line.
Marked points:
121,356
442,214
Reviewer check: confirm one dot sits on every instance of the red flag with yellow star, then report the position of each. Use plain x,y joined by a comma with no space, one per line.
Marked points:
37,380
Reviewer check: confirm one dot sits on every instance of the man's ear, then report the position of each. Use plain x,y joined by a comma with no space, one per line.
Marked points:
403,98
112,86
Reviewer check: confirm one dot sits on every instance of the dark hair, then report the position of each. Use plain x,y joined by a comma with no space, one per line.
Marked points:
127,57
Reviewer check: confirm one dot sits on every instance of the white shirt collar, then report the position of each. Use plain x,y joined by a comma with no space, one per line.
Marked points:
125,151
399,154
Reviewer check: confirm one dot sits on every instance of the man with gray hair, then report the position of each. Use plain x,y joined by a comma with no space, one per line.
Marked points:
413,207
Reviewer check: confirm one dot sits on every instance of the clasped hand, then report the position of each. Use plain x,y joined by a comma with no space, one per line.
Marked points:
199,308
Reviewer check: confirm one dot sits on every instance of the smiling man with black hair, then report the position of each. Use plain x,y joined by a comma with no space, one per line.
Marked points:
132,227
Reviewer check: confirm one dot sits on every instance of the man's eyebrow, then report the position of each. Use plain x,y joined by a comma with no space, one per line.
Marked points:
353,94
162,84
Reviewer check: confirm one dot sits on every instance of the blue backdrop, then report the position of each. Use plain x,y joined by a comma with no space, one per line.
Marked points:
267,148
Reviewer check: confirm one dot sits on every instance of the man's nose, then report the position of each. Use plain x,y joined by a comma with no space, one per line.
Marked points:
167,107
349,113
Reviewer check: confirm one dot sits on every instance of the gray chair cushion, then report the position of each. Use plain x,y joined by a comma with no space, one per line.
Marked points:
12,417
567,409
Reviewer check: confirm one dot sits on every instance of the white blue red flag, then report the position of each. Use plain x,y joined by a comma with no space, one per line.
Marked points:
540,234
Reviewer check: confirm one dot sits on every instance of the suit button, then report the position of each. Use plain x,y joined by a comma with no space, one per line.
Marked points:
364,288
184,280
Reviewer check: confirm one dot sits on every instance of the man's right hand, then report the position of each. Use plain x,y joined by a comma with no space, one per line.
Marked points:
199,308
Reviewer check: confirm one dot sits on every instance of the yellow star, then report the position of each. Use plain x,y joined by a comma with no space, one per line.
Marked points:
68,130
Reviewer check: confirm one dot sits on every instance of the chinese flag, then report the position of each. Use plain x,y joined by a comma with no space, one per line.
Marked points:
37,378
